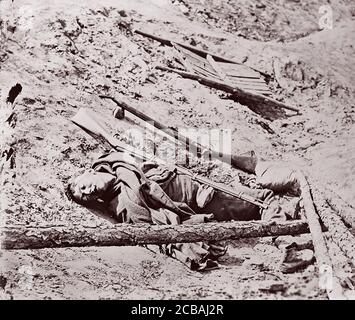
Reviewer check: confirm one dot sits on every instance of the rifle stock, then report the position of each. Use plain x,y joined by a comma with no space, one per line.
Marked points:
90,124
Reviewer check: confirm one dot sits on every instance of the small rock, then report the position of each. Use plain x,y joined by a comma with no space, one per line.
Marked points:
122,13
193,42
260,5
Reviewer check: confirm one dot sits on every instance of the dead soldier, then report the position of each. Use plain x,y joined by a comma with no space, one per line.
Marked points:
123,191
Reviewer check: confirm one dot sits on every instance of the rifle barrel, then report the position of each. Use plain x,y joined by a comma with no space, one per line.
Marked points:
231,192
168,130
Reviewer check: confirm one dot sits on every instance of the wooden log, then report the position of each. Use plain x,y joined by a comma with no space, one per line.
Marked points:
341,207
329,282
338,232
338,205
247,98
21,237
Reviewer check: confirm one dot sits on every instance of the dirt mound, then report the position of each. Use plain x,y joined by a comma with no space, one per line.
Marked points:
65,58
264,20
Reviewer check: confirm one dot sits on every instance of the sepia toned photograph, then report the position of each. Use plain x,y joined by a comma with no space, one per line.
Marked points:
156,150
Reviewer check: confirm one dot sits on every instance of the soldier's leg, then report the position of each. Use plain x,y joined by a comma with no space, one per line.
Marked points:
226,207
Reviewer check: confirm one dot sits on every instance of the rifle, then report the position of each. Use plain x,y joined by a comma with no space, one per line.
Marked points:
91,125
245,163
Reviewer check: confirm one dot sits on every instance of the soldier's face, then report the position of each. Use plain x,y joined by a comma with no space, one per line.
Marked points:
91,184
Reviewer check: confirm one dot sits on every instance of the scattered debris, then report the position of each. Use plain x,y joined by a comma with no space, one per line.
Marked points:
245,97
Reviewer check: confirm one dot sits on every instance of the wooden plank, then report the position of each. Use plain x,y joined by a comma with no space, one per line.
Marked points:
199,67
247,97
218,70
196,60
253,89
192,56
195,65
204,74
244,76
220,59
203,66
182,58
251,84
240,74
238,66
190,53
200,52
235,68
246,80
207,73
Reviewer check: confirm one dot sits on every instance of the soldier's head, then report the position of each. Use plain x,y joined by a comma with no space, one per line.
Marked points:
89,187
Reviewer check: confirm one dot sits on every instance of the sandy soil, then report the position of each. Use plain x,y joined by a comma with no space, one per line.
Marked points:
66,52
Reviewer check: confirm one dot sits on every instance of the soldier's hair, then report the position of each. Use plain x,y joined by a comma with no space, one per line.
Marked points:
69,192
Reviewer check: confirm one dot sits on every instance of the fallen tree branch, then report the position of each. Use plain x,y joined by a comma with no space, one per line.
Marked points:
137,234
247,98
327,280
333,201
338,232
